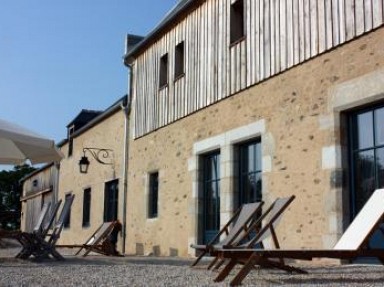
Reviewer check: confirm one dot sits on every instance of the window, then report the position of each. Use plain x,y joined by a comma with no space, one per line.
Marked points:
153,195
163,71
111,193
237,21
67,220
179,60
70,141
366,154
87,207
249,173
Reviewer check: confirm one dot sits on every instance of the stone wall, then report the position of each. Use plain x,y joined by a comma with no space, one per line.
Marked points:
298,118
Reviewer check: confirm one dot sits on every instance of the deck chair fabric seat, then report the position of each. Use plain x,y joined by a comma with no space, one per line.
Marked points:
352,244
96,242
234,230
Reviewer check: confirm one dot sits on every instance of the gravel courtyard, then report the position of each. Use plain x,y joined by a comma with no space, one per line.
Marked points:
155,271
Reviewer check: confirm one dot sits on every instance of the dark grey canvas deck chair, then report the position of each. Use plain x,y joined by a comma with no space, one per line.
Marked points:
97,242
234,231
44,246
265,227
43,224
352,244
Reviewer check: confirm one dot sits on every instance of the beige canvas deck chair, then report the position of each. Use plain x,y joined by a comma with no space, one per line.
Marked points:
352,244
96,242
233,230
44,246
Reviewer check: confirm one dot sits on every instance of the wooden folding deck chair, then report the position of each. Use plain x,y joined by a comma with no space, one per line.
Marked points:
352,244
43,224
234,231
44,246
97,242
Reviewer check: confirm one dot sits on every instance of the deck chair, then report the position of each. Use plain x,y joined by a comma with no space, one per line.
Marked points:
39,224
96,242
234,230
44,246
352,244
43,224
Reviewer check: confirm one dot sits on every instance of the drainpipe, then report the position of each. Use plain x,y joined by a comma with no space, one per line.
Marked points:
126,109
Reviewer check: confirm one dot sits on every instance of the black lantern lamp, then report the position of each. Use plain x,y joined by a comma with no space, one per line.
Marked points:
101,155
84,164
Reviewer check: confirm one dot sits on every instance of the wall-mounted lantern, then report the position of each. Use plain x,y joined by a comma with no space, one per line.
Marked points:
101,155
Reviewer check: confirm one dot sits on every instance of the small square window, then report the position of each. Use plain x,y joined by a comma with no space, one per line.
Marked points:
153,195
237,21
179,60
163,71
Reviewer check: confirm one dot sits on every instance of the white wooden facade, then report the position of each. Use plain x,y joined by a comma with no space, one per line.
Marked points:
279,34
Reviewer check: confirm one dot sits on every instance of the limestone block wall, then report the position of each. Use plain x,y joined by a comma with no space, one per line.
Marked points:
297,115
108,134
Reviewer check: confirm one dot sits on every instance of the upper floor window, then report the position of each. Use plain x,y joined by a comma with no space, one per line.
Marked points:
179,60
163,71
153,195
70,140
237,21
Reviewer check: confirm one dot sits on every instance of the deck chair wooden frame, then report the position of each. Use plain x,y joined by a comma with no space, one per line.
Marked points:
42,247
234,231
352,244
95,243
41,229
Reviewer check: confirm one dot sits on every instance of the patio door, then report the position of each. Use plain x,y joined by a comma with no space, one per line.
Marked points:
211,196
111,196
367,159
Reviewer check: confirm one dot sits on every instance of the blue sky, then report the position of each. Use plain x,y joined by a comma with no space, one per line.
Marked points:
58,57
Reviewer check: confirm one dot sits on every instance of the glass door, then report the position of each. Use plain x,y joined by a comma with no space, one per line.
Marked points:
211,196
367,159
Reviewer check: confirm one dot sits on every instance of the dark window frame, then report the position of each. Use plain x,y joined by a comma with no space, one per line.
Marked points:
67,221
87,198
354,150
163,72
153,195
211,178
245,172
179,60
237,22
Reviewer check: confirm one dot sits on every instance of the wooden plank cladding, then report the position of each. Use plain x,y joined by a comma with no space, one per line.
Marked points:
278,35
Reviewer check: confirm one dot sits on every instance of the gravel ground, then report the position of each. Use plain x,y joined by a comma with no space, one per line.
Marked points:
156,271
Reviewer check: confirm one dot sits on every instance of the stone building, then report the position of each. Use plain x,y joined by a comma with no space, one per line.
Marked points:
244,100
100,192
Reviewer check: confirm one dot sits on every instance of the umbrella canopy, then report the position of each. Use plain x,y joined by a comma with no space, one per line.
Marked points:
18,144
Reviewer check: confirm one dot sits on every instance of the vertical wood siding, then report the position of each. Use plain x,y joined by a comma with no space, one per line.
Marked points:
279,35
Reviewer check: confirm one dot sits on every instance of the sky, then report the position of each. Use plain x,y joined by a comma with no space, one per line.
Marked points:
59,57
